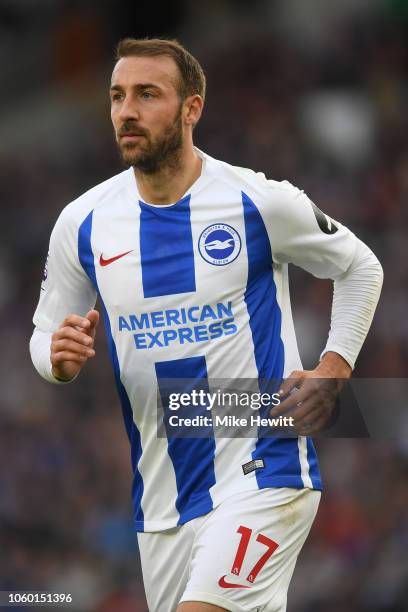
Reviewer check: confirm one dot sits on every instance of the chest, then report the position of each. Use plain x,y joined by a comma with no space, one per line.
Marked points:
194,252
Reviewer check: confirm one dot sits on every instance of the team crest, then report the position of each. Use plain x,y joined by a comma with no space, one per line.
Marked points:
219,244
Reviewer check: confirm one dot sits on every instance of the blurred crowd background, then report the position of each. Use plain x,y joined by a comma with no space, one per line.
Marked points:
311,91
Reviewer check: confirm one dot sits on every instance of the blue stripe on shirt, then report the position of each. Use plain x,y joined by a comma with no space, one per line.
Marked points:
192,458
166,249
280,455
86,258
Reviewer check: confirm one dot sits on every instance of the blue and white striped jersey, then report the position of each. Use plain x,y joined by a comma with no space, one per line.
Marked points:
198,288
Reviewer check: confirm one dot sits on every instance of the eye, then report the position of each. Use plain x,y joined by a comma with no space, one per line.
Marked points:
116,96
147,95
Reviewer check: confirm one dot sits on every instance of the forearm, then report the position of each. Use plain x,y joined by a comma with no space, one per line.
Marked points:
355,298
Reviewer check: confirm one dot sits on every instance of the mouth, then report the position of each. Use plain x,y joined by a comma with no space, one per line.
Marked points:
130,137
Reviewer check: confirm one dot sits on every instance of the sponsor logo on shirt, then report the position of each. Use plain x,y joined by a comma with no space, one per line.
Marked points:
219,244
161,328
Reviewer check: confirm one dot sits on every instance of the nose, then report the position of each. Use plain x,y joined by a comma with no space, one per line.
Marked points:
129,109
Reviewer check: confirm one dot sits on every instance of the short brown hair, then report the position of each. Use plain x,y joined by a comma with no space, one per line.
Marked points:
192,77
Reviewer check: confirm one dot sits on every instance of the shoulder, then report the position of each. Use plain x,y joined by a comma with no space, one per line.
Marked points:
77,210
255,185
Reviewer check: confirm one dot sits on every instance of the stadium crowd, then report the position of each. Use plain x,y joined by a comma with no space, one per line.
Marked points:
324,107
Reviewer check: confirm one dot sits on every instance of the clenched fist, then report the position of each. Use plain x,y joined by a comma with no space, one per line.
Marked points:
72,344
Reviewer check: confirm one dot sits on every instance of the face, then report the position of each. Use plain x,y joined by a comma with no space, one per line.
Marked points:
146,112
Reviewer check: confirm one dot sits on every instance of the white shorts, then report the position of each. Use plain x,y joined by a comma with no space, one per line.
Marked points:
240,556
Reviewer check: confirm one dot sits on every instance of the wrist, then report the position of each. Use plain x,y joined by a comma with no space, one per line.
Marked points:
333,365
59,378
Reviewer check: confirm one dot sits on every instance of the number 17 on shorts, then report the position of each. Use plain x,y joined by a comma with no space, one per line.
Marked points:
246,534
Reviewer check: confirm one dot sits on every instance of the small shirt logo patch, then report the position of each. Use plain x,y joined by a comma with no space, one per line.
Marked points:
106,262
255,464
45,275
324,222
219,244
45,272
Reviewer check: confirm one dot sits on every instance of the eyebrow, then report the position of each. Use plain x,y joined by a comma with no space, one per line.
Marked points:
139,86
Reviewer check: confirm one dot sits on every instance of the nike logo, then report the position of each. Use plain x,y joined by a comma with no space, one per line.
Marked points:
228,585
106,262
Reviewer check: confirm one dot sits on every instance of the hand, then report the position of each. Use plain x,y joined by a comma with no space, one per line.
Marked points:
72,344
312,402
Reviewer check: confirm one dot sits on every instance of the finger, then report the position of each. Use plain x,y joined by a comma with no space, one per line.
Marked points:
297,396
305,410
312,397
307,422
315,420
74,320
93,318
63,356
72,346
292,381
72,334
313,427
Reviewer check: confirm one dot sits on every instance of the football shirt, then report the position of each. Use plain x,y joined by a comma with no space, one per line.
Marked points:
196,289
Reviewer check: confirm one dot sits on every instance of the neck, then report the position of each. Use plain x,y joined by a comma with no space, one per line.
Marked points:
172,181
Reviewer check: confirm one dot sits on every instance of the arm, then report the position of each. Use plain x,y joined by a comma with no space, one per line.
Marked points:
62,342
326,249
355,298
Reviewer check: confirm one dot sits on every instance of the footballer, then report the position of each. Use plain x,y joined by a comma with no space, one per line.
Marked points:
189,258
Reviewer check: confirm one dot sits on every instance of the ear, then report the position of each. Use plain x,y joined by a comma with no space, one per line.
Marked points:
193,107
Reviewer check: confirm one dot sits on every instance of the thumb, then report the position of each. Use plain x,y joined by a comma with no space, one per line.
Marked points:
93,318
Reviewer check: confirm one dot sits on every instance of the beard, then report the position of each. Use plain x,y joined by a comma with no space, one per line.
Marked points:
155,154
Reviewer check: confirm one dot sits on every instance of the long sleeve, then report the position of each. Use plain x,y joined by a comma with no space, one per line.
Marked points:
40,345
65,289
355,297
300,233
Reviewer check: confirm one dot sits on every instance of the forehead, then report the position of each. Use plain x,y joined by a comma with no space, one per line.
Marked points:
130,71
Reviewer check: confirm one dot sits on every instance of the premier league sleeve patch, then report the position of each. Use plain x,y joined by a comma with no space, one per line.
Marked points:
324,222
45,274
219,244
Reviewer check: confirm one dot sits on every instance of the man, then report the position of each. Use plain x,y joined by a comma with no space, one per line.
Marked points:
188,256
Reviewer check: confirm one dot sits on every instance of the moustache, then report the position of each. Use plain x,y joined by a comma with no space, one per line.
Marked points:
129,129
